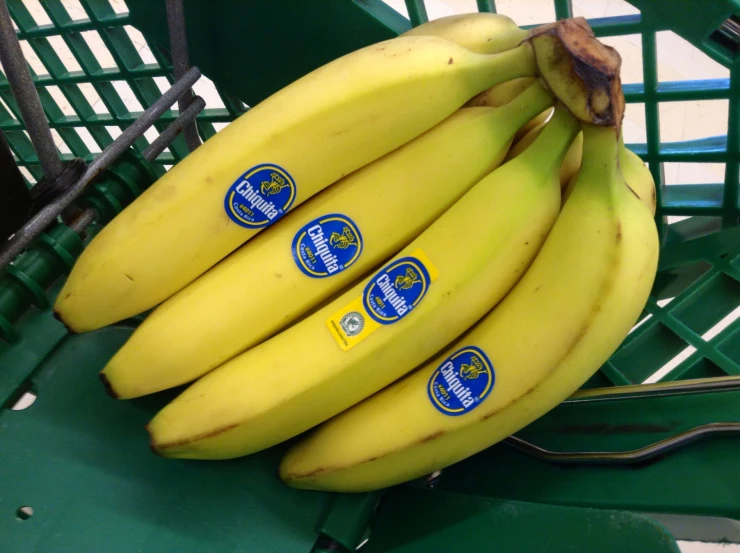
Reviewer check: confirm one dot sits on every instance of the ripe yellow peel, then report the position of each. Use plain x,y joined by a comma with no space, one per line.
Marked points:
571,162
480,247
219,315
485,33
543,342
320,128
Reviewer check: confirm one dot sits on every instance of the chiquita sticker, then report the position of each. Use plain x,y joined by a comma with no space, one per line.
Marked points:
327,245
396,290
260,196
461,382
392,293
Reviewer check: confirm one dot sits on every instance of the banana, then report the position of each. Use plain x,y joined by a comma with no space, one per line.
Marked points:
433,290
530,353
635,172
638,176
320,128
279,275
571,162
502,93
484,33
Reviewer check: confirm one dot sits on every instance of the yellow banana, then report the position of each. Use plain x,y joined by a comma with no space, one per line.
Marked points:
435,288
322,246
635,172
568,313
571,162
320,128
485,33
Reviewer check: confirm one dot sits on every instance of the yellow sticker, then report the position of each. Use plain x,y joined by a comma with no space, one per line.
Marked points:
392,293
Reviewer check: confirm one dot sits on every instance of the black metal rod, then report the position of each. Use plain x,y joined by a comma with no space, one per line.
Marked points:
46,216
24,91
182,123
181,62
627,457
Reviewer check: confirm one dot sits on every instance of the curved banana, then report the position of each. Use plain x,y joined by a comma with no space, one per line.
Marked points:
283,273
485,33
635,172
320,128
433,290
530,353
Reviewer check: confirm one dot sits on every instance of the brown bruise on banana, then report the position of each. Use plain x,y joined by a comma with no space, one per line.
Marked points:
571,59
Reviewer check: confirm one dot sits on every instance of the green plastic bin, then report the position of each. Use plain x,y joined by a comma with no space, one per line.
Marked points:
76,473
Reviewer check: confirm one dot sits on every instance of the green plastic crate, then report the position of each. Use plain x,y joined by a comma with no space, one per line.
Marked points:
75,470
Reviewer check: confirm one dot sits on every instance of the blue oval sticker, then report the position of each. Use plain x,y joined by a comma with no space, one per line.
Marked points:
461,382
327,245
260,196
395,290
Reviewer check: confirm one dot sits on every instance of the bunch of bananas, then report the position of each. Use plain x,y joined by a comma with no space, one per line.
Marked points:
485,225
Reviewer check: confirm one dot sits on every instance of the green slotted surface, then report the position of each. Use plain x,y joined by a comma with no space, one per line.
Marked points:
81,460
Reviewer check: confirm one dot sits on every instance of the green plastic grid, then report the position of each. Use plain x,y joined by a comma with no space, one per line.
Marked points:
130,69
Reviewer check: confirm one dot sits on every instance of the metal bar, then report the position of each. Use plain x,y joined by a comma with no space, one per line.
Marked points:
181,62
49,213
186,119
88,216
25,94
659,389
627,457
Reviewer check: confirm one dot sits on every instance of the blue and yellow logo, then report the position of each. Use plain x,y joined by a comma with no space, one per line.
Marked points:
461,382
327,245
260,196
396,289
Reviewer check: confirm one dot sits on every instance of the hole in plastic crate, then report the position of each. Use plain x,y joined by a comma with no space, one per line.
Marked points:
24,513
630,48
27,174
701,368
127,96
114,132
96,44
399,6
220,126
670,366
141,45
692,120
37,12
93,98
679,60
162,84
151,134
33,60
167,167
4,106
205,88
713,332
59,141
25,401
641,322
65,54
60,100
648,350
711,308
612,8
119,6
87,138
634,126
694,173
74,9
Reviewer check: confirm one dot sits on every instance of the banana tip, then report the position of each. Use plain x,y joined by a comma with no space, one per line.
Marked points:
59,318
108,388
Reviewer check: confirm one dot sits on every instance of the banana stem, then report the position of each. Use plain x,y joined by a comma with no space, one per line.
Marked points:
549,148
600,149
532,101
512,64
